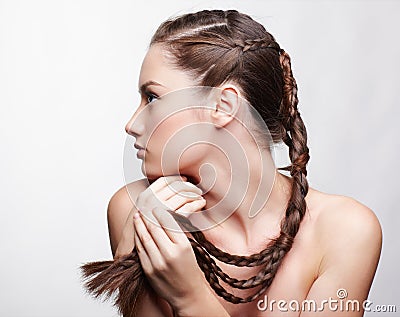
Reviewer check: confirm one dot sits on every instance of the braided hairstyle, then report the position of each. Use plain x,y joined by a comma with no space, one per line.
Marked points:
216,46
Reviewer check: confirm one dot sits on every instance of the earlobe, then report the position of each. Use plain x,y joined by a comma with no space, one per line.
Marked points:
227,105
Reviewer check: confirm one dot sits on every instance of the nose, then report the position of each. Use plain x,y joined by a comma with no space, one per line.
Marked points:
134,126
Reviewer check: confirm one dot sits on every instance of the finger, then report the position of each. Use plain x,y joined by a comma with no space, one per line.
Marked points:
161,182
177,187
192,207
144,258
159,235
171,227
180,199
146,239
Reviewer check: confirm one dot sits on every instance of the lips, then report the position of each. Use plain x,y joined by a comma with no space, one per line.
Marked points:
139,147
140,153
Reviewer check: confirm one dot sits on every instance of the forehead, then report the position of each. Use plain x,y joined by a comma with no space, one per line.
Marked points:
156,67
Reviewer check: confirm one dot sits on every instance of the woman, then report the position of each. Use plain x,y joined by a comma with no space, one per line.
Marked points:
300,246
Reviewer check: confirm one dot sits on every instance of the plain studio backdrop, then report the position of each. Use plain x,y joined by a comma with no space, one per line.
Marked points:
68,85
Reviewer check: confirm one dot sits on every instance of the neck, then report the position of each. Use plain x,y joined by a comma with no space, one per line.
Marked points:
239,197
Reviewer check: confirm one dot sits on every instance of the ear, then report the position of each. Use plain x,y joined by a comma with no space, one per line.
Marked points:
227,105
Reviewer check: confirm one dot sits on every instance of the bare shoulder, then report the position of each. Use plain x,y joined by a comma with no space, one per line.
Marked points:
346,226
125,196
344,215
119,207
349,236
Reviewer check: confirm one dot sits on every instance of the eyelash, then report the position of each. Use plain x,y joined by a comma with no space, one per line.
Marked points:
148,94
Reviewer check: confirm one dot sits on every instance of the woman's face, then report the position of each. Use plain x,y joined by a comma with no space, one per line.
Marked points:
165,129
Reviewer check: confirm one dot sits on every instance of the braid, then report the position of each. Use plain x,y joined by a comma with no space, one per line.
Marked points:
272,256
298,150
252,45
212,278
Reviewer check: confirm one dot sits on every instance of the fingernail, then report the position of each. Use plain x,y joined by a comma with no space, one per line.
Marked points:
136,215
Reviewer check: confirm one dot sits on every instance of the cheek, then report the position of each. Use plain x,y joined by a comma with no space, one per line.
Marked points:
163,134
194,154
179,138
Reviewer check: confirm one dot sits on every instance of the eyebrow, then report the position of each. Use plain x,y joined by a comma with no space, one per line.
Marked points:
143,87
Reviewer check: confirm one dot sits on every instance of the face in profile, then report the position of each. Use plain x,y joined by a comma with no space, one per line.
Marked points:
171,133
204,133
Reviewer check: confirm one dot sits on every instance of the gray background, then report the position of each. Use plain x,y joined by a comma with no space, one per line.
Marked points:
68,85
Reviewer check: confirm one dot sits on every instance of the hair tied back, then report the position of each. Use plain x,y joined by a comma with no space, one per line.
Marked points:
252,45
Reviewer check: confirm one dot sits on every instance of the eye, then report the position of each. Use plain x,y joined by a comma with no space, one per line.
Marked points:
150,97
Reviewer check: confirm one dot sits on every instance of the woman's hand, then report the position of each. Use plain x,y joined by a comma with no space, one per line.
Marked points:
171,193
165,252
168,260
166,192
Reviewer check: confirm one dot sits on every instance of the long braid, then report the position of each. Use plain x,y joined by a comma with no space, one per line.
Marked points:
298,149
126,275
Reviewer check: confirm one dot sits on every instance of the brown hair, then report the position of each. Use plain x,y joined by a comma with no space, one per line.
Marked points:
217,46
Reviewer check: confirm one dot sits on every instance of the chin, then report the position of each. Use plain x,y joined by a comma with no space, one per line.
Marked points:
154,169
150,174
155,173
